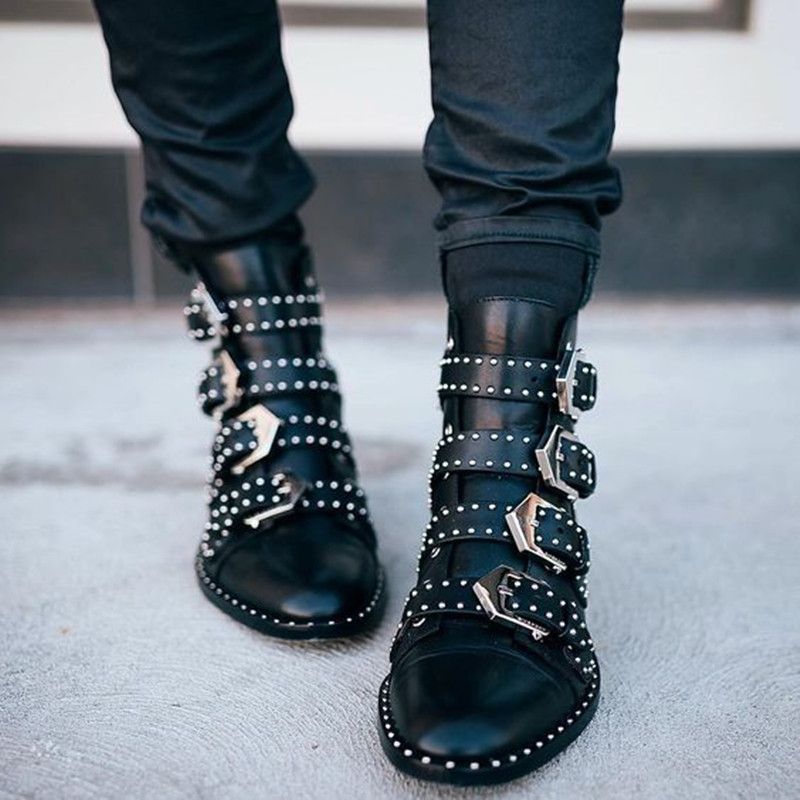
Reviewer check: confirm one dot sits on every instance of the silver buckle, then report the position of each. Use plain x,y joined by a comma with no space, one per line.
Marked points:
565,382
230,383
265,428
213,311
549,457
288,489
523,521
494,591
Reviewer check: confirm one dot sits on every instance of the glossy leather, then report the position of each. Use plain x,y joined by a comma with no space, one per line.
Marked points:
464,686
301,568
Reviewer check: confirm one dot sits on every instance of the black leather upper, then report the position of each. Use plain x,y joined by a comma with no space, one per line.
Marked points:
492,651
289,537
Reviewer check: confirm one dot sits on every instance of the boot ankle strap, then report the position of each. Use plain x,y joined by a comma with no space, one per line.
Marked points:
251,313
536,527
244,504
536,613
569,383
257,433
558,458
226,383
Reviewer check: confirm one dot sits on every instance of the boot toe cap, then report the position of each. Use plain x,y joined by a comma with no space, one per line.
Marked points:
463,704
304,573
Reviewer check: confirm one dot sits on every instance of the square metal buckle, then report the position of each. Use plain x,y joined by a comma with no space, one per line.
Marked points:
214,313
549,458
495,590
566,383
265,429
523,521
230,383
287,489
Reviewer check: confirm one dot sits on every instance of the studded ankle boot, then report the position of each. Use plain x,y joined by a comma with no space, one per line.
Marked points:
289,548
493,671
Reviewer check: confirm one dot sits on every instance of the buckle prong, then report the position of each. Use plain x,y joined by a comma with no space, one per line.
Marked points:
213,311
230,383
523,522
286,485
565,382
548,457
493,592
265,429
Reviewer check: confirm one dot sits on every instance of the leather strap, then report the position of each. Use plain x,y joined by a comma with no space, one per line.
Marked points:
531,608
238,438
238,499
257,380
501,452
251,314
556,532
518,378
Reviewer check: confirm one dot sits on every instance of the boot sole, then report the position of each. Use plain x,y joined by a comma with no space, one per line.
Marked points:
482,770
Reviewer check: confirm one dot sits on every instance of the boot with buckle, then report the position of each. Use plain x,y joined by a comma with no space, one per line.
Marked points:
289,548
493,670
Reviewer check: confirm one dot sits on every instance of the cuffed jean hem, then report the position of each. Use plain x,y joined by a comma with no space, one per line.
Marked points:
542,229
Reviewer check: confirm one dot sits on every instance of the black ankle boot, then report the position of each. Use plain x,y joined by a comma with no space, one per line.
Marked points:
493,671
289,548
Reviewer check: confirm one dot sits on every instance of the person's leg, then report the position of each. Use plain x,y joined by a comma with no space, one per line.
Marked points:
203,84
524,97
493,670
288,547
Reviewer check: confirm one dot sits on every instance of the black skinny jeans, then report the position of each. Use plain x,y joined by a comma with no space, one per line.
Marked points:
523,98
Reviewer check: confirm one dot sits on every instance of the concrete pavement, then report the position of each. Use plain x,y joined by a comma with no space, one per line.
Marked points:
119,680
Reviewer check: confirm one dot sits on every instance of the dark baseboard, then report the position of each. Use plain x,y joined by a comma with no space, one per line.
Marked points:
708,224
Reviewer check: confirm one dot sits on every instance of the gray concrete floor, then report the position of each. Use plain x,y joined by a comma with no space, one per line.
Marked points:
119,680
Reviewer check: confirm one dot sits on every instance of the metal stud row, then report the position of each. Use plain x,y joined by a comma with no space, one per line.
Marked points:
494,361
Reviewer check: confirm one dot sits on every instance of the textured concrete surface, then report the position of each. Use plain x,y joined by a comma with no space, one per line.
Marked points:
119,680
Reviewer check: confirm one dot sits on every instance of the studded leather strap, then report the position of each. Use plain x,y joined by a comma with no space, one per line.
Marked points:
517,378
492,451
555,532
238,440
244,499
271,378
530,607
256,314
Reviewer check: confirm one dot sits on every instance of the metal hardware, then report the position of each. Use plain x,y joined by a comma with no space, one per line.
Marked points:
213,311
565,382
549,458
230,383
495,589
523,521
265,428
288,489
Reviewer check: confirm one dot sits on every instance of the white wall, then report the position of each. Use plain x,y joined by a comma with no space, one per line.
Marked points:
369,88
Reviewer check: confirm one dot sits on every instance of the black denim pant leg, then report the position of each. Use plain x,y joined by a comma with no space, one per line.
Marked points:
203,84
524,95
